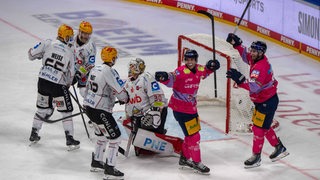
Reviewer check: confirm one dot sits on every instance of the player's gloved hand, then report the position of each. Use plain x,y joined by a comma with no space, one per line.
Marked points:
76,77
234,40
213,65
152,118
236,76
161,76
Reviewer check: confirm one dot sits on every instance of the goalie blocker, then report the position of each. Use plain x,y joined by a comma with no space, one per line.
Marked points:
151,141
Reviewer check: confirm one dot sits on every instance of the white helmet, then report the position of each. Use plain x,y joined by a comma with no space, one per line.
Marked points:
136,67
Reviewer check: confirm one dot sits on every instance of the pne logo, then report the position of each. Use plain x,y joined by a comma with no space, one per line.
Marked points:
154,144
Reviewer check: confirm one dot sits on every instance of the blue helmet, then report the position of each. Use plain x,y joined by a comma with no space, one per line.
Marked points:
191,53
259,46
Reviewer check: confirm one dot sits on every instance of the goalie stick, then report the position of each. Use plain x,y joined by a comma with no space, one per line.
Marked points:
243,13
213,47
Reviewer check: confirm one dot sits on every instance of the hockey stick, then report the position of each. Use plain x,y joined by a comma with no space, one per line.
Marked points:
57,120
243,13
213,46
75,97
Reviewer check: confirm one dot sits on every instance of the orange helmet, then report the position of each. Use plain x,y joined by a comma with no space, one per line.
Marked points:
85,27
109,54
65,32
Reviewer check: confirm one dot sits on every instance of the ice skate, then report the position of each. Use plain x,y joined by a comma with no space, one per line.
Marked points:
110,172
34,137
253,161
201,168
96,166
71,143
279,152
185,163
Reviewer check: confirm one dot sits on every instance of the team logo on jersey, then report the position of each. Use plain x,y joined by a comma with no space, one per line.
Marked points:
155,86
92,59
255,74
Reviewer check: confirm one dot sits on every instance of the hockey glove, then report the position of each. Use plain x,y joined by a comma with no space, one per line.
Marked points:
236,76
161,76
213,65
234,40
152,118
76,78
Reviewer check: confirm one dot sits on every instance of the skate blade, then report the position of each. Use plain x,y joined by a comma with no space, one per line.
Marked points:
110,177
193,170
93,169
185,168
282,155
32,143
73,147
252,166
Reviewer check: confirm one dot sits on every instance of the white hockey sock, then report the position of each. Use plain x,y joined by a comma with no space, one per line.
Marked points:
68,123
100,148
112,151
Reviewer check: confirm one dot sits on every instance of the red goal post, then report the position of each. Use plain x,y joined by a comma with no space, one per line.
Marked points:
234,102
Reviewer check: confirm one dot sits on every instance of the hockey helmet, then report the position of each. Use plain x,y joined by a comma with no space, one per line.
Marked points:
65,32
85,27
109,54
136,66
260,46
191,53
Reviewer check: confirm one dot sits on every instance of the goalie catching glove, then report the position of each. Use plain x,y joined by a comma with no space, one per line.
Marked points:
152,118
236,76
234,40
213,65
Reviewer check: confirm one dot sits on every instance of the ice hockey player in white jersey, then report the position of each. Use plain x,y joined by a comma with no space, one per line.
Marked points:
85,53
103,87
55,78
147,106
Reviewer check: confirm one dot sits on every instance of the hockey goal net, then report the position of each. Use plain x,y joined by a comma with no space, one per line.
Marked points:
217,90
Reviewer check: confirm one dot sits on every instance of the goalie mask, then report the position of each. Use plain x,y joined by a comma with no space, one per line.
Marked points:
65,33
136,67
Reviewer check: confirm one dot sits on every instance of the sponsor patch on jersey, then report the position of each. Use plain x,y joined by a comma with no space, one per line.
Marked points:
155,86
92,59
254,74
177,72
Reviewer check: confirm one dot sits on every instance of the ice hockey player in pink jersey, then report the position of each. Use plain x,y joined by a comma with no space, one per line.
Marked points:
185,82
262,87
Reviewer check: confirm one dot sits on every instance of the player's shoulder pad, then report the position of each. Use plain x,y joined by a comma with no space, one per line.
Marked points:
149,76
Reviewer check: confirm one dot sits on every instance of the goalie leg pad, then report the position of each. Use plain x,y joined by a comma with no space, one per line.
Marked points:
150,141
